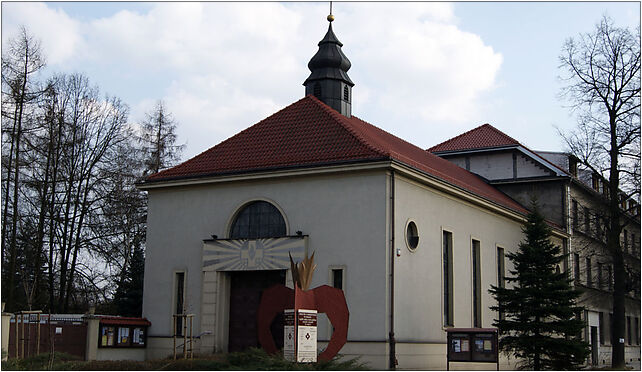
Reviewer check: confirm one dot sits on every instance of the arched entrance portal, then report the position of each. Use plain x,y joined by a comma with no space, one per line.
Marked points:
256,220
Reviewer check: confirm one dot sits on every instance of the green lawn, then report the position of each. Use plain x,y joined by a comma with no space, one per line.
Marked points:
253,359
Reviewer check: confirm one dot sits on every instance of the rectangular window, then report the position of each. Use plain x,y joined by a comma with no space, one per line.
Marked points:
501,274
565,253
447,257
633,243
179,301
589,274
628,327
637,330
476,273
337,278
600,280
601,326
609,277
611,335
587,220
576,267
575,214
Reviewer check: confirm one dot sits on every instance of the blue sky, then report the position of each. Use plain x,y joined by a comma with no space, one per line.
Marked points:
423,71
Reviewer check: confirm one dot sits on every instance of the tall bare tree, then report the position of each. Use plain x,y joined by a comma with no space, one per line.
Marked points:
21,61
602,82
158,139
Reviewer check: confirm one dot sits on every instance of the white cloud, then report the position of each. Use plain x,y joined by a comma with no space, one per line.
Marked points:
59,34
221,67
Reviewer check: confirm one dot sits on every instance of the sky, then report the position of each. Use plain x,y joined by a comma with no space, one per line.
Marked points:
425,72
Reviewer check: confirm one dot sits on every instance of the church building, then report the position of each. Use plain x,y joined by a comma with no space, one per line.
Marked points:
414,240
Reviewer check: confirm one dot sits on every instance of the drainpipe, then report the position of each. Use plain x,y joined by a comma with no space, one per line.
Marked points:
391,336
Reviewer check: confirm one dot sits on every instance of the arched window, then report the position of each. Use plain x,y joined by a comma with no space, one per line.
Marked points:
258,219
317,90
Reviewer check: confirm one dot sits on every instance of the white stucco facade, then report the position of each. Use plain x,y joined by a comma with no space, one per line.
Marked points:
347,215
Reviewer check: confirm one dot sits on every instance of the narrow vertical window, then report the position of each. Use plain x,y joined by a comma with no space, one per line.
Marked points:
629,330
601,326
609,277
501,275
575,214
565,259
576,267
587,220
589,274
337,278
476,284
611,334
637,330
633,243
448,277
600,280
346,94
179,300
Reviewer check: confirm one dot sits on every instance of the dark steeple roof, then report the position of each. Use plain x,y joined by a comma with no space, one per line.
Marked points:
329,61
329,80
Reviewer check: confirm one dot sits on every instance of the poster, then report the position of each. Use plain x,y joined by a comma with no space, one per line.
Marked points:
457,345
465,346
479,345
488,345
306,348
289,337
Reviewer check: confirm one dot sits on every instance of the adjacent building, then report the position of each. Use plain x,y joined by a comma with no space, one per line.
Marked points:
573,198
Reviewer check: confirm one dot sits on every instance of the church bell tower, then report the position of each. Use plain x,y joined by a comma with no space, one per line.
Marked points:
329,80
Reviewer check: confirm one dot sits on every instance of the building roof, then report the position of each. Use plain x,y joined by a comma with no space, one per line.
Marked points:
485,136
488,137
310,133
121,320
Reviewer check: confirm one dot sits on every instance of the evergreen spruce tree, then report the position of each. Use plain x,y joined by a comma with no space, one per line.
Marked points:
538,322
129,294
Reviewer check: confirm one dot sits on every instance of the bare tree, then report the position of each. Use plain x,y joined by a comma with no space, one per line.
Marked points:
602,74
22,60
158,139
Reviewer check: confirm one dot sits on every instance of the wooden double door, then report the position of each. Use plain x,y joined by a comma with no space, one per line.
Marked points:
246,288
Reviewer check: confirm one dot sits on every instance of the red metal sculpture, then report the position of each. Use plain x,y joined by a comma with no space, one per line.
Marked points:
324,299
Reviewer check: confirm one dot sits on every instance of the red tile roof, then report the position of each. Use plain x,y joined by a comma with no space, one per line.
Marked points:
309,133
121,320
485,136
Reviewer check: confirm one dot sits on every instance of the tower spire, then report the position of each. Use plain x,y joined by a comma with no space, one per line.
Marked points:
329,80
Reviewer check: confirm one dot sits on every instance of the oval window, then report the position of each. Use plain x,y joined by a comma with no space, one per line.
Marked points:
412,236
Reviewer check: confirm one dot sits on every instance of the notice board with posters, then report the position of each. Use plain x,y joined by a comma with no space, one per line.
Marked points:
477,345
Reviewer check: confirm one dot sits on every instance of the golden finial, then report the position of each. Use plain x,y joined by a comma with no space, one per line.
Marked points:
330,16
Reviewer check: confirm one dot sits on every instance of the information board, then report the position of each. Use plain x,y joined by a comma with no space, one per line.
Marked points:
472,345
300,335
289,335
306,348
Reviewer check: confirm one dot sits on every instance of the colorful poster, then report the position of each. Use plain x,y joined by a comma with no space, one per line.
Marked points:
306,348
123,335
